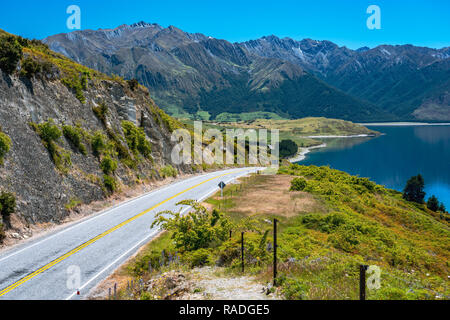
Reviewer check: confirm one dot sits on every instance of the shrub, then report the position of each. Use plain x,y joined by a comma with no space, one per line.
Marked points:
10,54
298,184
50,133
84,80
98,143
197,229
136,139
121,150
73,203
293,290
108,165
75,84
5,144
7,204
100,112
198,258
110,183
133,84
168,171
75,136
30,67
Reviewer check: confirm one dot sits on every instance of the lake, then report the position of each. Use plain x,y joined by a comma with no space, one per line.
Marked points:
391,159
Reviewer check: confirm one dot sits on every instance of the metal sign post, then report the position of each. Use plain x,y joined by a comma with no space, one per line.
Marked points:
221,186
275,251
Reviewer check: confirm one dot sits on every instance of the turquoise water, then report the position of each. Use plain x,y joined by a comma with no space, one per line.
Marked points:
391,159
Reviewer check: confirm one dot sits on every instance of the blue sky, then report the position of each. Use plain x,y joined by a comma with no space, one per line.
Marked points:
423,23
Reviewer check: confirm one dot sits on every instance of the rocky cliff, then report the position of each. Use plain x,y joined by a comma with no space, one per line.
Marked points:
76,135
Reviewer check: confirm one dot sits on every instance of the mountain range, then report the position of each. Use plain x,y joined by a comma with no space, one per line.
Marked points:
190,74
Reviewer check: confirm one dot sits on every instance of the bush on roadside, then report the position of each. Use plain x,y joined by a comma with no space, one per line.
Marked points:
197,229
168,171
7,204
110,183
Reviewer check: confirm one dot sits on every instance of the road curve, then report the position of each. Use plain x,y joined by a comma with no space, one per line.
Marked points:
44,268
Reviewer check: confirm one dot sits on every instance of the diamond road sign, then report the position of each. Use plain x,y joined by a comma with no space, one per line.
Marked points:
222,185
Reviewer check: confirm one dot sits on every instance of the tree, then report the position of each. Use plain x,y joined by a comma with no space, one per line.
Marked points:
10,54
442,208
414,189
433,203
288,148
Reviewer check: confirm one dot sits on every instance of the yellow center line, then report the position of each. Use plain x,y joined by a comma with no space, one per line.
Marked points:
89,242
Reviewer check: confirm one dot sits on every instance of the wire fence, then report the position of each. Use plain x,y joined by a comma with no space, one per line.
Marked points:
289,268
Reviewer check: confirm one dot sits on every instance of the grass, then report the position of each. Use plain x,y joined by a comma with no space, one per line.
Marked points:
73,203
325,232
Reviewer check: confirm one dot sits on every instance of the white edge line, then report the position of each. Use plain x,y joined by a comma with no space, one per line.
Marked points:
143,240
114,262
102,213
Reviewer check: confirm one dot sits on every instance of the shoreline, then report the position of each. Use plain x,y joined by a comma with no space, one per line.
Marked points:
336,136
302,154
380,124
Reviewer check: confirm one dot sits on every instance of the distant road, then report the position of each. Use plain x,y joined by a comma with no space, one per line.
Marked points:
40,269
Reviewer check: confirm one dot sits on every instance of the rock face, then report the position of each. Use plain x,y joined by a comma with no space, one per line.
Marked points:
41,190
189,73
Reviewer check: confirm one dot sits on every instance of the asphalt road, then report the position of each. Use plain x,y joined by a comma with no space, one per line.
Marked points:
47,268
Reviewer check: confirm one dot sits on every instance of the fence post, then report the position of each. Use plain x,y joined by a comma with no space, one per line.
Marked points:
275,251
362,281
230,233
109,293
242,251
115,291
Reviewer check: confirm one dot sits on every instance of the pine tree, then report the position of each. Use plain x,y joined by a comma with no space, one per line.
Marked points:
433,203
414,189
